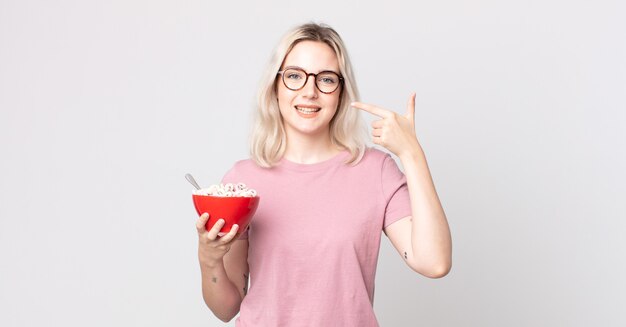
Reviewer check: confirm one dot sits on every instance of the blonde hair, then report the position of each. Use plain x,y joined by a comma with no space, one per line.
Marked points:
268,139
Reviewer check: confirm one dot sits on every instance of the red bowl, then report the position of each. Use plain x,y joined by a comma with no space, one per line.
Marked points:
234,210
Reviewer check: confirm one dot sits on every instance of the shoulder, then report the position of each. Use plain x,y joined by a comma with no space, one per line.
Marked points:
245,164
383,163
373,156
243,168
374,162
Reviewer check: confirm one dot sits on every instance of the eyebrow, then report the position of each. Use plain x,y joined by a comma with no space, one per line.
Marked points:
321,71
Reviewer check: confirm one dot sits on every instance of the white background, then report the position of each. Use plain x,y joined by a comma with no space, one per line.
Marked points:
105,105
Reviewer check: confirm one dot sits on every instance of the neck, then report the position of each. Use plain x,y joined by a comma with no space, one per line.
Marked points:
307,149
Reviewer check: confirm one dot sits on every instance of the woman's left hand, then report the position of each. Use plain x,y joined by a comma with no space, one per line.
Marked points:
394,131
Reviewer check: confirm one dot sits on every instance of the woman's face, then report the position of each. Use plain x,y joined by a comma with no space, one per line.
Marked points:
308,111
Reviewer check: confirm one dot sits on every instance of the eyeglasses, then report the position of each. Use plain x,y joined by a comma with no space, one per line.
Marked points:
295,78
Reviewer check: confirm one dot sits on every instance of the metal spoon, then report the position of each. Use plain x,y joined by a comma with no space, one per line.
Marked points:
191,180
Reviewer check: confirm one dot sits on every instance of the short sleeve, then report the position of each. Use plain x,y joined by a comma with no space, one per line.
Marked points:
395,192
231,177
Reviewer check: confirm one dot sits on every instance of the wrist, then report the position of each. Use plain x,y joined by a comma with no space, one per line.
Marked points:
414,152
211,264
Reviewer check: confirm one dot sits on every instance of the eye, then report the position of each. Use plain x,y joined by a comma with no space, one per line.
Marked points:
328,79
293,75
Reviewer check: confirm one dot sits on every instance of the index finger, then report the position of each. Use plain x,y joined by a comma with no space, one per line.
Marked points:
380,112
201,222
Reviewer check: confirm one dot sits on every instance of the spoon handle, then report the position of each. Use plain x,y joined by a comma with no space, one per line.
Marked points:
191,180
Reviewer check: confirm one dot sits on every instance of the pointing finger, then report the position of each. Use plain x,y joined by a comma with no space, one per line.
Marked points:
372,109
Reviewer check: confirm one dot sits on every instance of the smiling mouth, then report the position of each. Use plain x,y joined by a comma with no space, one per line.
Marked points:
306,110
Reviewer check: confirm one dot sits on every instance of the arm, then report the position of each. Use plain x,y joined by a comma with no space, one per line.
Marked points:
422,239
224,269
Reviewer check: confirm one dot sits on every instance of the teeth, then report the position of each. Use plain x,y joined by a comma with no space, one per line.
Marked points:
308,110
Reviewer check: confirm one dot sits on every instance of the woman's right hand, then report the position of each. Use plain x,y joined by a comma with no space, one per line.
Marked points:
211,247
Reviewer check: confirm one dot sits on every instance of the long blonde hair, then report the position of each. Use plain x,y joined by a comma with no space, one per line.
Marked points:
268,138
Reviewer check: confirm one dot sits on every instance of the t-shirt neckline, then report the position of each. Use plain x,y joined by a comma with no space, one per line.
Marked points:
324,164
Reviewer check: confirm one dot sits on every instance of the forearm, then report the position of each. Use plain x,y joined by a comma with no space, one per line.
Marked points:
219,292
431,243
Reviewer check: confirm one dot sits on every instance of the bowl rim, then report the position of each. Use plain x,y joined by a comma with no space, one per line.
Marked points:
227,197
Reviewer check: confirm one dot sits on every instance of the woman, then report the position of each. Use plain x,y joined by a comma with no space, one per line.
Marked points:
312,247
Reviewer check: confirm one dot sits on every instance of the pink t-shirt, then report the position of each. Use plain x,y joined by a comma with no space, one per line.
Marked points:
315,238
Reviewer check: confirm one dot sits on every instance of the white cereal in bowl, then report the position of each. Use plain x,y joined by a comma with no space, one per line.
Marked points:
227,190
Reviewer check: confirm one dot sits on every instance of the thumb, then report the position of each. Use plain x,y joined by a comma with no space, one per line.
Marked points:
410,108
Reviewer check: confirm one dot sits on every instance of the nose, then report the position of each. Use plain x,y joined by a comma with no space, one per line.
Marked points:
310,89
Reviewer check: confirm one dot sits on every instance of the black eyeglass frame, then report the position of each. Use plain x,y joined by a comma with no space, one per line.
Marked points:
281,73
